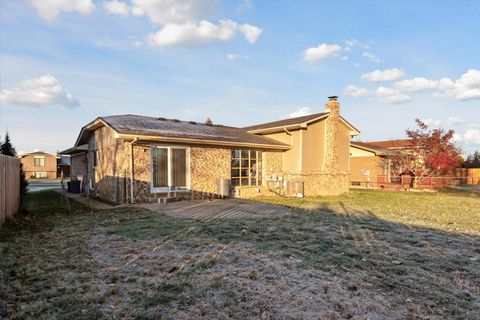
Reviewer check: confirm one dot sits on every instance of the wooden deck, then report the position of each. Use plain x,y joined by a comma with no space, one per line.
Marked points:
219,209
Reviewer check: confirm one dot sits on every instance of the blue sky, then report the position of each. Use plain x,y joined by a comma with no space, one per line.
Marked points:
64,63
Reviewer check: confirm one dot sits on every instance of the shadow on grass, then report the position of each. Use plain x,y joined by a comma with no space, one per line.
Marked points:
437,271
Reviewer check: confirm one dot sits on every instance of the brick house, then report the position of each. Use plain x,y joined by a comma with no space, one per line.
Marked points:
130,158
39,165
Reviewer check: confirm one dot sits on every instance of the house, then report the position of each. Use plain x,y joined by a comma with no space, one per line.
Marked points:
369,164
131,158
39,165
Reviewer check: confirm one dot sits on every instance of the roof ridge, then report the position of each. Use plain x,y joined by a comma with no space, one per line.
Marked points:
171,119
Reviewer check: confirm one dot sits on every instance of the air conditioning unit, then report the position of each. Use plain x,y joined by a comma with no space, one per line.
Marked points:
223,188
294,189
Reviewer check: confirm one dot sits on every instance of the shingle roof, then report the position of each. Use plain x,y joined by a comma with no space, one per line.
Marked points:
285,122
392,144
369,146
36,153
161,127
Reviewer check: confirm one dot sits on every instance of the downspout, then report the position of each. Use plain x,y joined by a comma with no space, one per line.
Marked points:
131,170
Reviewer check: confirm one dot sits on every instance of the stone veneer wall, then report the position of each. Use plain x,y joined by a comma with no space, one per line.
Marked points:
112,171
317,183
207,164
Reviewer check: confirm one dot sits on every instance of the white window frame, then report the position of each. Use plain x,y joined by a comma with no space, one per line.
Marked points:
169,171
40,175
38,157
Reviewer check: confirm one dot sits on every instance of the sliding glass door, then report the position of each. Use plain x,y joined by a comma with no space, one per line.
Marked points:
169,168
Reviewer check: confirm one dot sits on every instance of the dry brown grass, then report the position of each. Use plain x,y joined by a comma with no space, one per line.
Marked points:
136,264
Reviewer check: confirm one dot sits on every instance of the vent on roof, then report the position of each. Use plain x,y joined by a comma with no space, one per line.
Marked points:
192,122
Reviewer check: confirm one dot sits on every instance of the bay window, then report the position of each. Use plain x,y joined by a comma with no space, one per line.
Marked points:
170,168
246,168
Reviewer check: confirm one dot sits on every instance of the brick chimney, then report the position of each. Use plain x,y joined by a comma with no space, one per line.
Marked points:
332,124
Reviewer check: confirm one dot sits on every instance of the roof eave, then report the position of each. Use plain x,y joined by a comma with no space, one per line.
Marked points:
164,139
292,126
90,126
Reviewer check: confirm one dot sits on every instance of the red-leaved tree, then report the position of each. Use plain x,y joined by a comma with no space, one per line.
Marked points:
433,151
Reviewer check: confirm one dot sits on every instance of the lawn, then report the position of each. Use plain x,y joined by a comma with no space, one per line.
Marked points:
366,255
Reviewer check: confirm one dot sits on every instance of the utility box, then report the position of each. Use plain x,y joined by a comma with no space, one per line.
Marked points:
294,189
223,188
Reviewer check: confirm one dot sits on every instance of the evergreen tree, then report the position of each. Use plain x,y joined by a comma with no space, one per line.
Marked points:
7,148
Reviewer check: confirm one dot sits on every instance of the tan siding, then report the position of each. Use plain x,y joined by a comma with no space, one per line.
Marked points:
356,152
290,158
358,165
343,140
313,146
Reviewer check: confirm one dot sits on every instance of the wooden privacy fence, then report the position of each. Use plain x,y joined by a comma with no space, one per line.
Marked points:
468,175
9,187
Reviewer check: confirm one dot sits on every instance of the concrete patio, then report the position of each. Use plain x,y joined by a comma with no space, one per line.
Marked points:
218,209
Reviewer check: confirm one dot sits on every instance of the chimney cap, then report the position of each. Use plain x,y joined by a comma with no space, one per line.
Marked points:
333,98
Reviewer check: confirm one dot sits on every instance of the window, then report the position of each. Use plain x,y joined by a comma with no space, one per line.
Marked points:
169,168
95,158
39,161
40,175
246,167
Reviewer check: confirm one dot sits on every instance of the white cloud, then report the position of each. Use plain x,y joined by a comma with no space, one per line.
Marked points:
416,84
235,56
371,57
351,42
354,91
174,11
184,22
51,9
194,34
469,138
467,87
300,112
250,32
322,52
391,96
116,7
37,93
344,58
384,75
357,43
447,123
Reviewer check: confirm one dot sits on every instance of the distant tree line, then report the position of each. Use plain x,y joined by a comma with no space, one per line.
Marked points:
7,148
472,161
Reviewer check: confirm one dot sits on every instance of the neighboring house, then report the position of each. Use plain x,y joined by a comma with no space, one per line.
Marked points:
404,152
39,165
132,158
369,163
